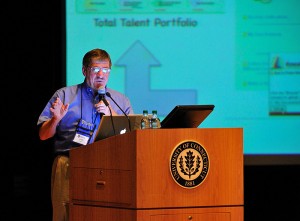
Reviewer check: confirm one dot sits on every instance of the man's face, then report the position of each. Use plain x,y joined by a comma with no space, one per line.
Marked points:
97,74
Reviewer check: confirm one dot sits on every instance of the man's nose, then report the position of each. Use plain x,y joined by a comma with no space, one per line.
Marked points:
100,73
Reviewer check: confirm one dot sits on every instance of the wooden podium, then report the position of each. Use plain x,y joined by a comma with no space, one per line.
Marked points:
128,178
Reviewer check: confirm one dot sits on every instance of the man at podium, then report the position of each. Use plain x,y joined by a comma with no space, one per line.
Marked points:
71,117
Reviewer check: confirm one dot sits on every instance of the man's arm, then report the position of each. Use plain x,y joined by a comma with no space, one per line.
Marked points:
48,128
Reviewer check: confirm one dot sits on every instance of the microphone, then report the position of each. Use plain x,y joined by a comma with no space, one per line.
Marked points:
109,95
101,93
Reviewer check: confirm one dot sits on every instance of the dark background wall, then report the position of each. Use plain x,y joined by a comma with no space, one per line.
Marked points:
33,69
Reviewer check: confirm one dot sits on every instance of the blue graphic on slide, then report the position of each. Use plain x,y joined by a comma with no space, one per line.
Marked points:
137,61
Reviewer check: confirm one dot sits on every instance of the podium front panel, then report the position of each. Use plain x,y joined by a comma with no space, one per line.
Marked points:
136,171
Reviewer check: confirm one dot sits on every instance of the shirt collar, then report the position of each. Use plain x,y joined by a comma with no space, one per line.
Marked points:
89,90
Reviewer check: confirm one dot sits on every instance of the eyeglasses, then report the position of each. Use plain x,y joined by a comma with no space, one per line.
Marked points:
96,70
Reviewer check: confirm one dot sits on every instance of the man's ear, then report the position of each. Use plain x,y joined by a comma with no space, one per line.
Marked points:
84,71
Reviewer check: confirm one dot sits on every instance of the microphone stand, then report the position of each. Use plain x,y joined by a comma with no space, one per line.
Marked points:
102,98
109,95
112,120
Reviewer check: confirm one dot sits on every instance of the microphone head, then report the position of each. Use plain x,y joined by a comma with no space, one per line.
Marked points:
108,94
101,91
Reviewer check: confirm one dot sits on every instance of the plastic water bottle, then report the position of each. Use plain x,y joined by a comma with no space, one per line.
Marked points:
155,121
145,122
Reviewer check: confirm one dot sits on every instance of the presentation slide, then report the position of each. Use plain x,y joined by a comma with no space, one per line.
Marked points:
243,56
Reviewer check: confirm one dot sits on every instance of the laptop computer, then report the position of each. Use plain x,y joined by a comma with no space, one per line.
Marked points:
186,116
120,124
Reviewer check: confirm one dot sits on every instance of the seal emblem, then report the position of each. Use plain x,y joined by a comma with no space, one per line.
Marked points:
189,164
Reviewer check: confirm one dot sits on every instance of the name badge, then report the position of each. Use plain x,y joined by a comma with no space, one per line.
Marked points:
84,132
81,139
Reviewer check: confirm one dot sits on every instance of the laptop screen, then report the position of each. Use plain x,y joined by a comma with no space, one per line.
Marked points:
120,124
186,116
